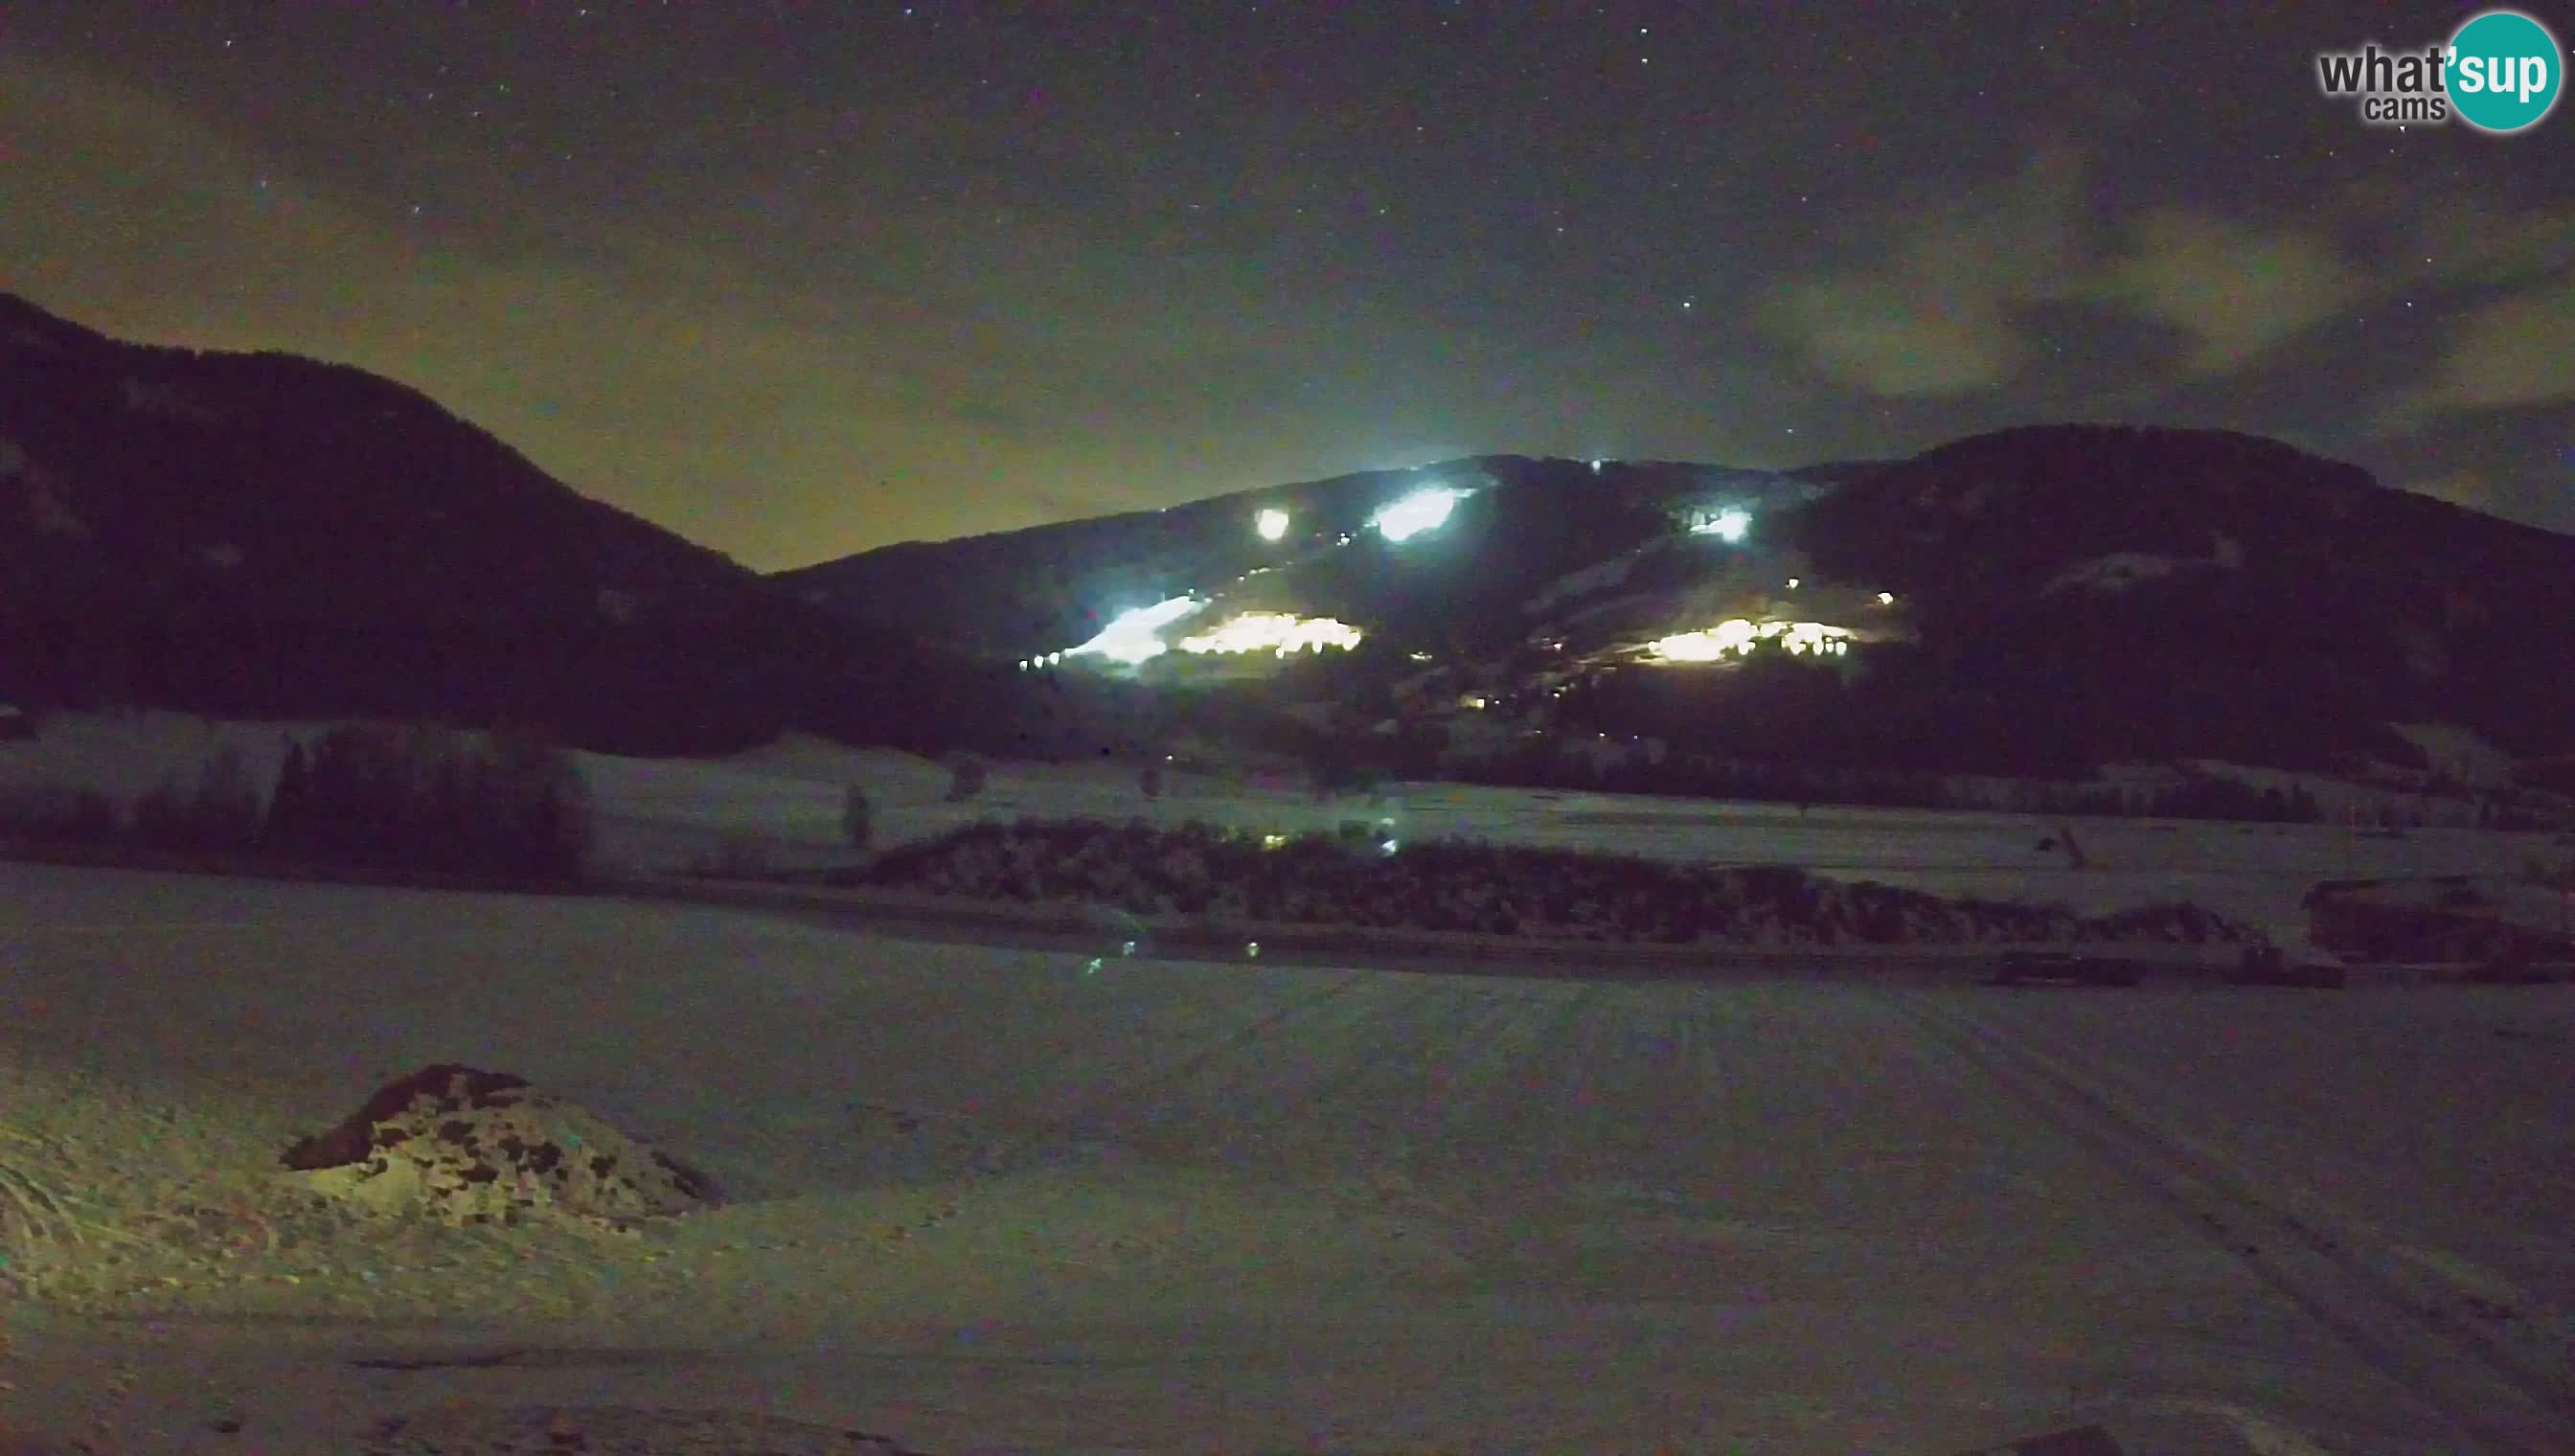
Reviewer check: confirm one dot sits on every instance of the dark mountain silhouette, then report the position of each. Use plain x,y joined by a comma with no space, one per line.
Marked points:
2102,592
2070,596
265,535
1524,521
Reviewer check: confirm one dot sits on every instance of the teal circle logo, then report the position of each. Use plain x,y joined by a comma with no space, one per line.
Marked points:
2504,71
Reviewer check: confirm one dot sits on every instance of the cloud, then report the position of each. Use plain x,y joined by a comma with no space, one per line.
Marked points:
2502,270
1885,339
2511,351
2236,289
2508,353
2431,230
1936,318
1947,311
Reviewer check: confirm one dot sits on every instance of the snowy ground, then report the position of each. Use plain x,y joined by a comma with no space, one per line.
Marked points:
1182,1207
670,814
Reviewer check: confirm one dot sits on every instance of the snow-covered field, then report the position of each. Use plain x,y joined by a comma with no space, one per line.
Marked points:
993,1202
662,813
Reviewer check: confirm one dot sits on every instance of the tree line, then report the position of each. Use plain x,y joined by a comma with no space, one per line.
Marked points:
508,804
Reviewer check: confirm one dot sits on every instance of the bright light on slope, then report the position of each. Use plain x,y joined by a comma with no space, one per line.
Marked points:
1724,525
1274,632
1131,638
1272,524
1415,514
1736,638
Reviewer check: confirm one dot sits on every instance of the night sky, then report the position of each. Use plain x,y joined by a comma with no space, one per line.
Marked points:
799,279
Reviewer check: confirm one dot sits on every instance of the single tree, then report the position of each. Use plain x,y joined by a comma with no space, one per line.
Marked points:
289,825
858,817
966,776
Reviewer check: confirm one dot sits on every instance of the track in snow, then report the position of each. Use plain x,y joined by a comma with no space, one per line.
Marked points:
2501,1375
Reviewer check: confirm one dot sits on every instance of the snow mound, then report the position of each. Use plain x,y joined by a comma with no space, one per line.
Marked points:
470,1146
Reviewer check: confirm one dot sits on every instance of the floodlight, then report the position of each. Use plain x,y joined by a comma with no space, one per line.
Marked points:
1415,514
1131,638
1725,525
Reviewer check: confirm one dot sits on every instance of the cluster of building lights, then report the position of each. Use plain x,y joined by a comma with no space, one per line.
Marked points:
1135,637
1274,632
1739,637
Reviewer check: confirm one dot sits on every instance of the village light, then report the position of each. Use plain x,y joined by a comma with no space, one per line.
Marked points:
1272,525
1280,632
1738,638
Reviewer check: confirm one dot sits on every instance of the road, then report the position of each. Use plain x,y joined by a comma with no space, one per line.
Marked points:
1326,1207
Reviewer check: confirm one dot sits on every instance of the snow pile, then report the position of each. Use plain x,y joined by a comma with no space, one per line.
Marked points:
469,1146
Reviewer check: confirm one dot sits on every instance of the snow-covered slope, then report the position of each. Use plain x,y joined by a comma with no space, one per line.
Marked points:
2113,573
2458,754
